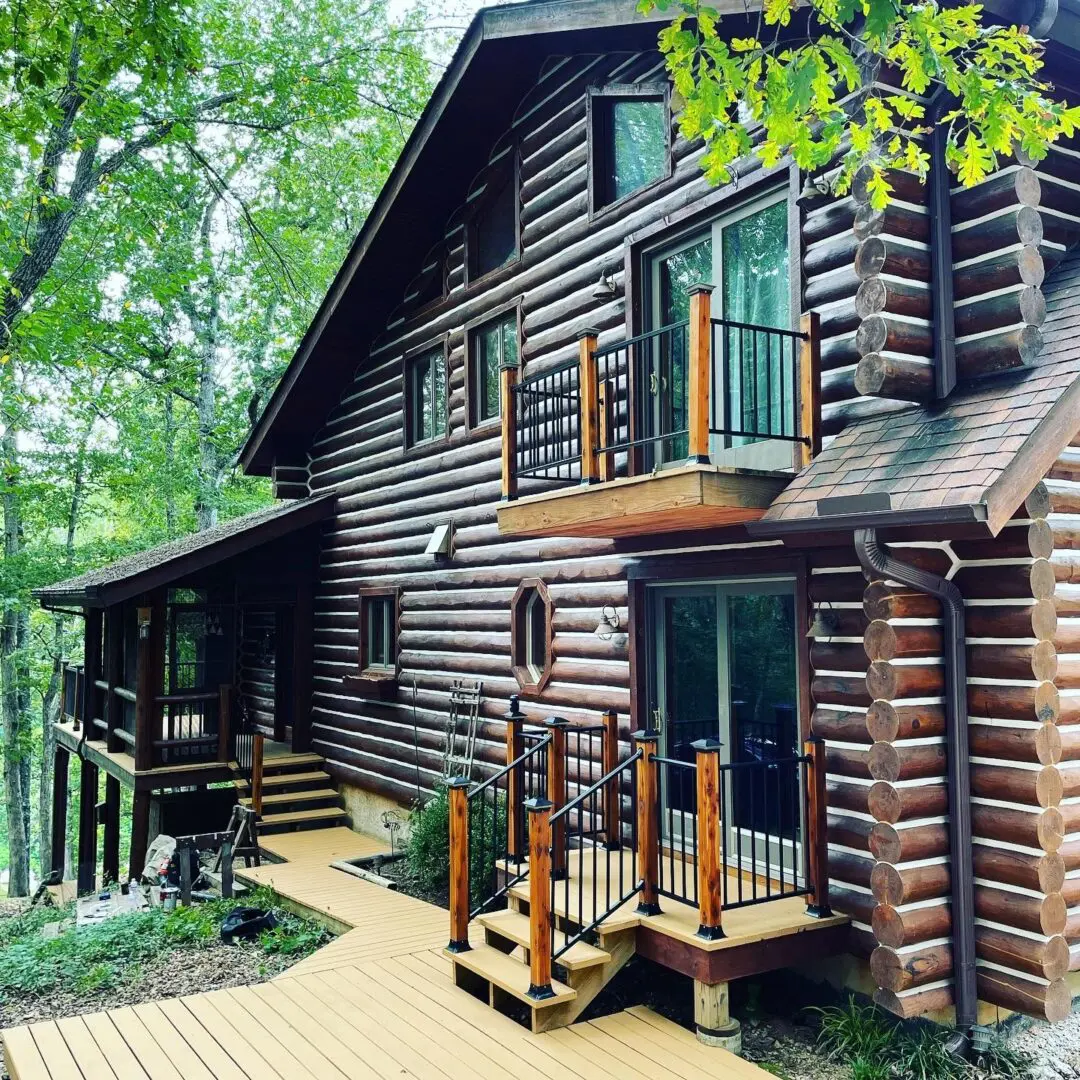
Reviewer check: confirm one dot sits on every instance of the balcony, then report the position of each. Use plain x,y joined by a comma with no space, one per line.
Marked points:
694,425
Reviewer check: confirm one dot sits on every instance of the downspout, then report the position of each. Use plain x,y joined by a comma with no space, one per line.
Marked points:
873,558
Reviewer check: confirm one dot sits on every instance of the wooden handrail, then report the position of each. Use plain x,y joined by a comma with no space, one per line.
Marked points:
816,840
699,372
540,874
648,834
458,791
710,861
124,736
609,760
196,740
199,698
124,694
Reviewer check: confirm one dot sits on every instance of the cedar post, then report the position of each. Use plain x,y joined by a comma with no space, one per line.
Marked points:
817,848
59,808
508,376
539,811
257,774
140,833
515,784
648,812
697,390
110,848
88,795
612,795
224,722
91,671
809,389
557,791
458,790
605,403
710,861
590,411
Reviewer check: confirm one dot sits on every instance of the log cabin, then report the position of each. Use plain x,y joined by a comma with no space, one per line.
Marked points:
713,545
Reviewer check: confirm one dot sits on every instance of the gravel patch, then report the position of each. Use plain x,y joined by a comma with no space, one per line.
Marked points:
1055,1047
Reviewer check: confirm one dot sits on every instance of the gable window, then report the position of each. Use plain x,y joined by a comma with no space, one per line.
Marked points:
531,613
629,141
425,396
492,346
378,633
493,231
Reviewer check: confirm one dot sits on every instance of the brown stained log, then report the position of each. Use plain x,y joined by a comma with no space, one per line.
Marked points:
1051,1002
935,559
896,929
839,656
1043,873
1039,620
1065,468
1020,266
826,588
886,255
895,886
892,804
886,722
906,186
847,762
883,601
1042,829
845,796
1070,853
837,386
849,868
839,319
1066,565
1026,305
892,681
892,761
1041,745
895,220
1071,782
843,725
1018,187
912,1006
879,333
885,641
1041,702
840,690
1046,959
858,905
1004,350
893,377
1070,815
1045,915
1032,786
1021,226
1039,661
892,845
830,288
829,254
1017,582
849,831
838,352
1066,500
860,943
830,622
877,296
1069,741
833,218
902,971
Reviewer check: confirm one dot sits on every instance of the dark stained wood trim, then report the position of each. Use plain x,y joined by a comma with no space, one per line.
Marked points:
419,447
492,425
361,678
531,687
493,168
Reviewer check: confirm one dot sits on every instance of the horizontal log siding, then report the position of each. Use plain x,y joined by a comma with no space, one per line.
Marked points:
455,620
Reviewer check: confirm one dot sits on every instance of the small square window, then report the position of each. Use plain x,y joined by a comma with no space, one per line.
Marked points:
629,143
491,347
425,396
493,237
378,633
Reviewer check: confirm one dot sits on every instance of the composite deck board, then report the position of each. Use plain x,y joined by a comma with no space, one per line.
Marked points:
376,1003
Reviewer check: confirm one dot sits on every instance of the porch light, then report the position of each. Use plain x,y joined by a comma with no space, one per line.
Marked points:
604,289
144,622
608,625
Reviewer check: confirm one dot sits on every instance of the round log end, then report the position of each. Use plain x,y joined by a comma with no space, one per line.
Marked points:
1044,619
1029,225
884,761
1056,958
881,680
1047,702
871,298
882,721
869,222
884,803
1030,264
1053,915
888,925
879,640
885,845
1033,306
1052,873
1037,504
872,335
1058,1001
887,969
1050,829
887,885
1048,747
1049,787
870,257
1044,661
1042,579
1040,538
1029,344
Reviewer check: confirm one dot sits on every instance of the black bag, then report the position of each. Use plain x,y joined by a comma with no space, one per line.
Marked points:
246,923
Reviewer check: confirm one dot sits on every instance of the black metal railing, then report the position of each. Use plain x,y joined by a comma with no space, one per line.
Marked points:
189,727
677,811
71,700
547,423
603,876
243,742
492,873
755,383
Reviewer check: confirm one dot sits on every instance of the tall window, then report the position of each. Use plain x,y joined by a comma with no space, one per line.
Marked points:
378,633
629,141
425,396
491,346
493,237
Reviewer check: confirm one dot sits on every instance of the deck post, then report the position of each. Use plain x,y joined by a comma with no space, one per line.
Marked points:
809,404
149,671
224,723
817,848
91,673
88,797
556,792
110,847
515,783
458,791
712,1017
140,833
508,377
590,410
697,389
609,760
710,859
648,815
114,667
61,762
257,773
539,811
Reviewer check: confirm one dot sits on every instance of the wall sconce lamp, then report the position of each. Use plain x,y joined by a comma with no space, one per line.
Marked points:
608,625
604,289
144,623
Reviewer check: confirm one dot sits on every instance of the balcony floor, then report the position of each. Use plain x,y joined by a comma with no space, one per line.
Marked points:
670,500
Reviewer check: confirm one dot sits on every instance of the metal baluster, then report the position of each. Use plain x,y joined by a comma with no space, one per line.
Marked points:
768,385
725,368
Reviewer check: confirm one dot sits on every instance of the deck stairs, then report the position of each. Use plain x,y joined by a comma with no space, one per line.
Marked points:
497,971
298,793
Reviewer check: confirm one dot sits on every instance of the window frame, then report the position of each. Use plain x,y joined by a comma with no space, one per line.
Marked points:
377,676
409,442
504,170
531,679
598,173
472,356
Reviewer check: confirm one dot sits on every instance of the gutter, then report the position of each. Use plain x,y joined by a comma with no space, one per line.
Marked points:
874,559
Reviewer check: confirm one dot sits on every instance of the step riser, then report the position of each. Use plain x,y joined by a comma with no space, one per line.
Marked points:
289,788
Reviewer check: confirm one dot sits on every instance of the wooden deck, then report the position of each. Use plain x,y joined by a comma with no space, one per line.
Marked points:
378,1002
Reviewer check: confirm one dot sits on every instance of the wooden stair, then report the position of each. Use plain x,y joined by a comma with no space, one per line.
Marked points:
298,793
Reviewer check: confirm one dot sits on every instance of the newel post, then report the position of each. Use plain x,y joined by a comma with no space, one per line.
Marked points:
556,779
817,847
612,796
539,811
508,377
224,723
257,774
697,390
515,783
458,790
809,389
590,406
710,858
648,814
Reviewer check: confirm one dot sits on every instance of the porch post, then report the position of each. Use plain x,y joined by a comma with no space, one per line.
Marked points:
648,855
587,390
88,794
257,773
110,848
140,833
539,811
697,390
556,792
809,404
515,784
817,848
149,675
91,672
508,376
224,722
113,671
61,763
458,789
710,860
612,799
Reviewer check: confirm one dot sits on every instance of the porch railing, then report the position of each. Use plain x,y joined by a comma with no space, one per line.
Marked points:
690,391
194,726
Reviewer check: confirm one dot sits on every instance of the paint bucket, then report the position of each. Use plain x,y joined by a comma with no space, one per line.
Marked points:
168,898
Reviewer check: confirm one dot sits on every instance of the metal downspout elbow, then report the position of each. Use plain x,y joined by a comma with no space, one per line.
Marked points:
874,559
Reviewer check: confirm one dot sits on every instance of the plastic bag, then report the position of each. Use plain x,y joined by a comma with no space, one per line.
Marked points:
246,923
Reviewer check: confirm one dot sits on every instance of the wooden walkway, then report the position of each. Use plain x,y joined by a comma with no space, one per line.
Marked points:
378,1003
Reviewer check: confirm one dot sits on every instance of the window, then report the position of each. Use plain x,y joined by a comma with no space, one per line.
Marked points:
531,634
491,346
425,396
629,141
378,633
493,239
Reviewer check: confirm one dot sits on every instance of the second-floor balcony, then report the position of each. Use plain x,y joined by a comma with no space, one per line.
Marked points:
696,424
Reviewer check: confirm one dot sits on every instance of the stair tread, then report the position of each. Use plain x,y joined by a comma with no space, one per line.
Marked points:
282,797
279,779
297,816
277,761
509,975
515,926
621,918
